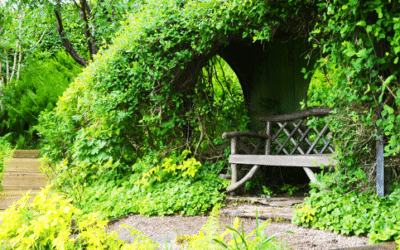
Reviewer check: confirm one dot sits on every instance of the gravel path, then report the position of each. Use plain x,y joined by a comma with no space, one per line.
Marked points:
158,228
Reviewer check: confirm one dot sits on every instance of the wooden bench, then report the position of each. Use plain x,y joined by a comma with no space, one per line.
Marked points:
271,153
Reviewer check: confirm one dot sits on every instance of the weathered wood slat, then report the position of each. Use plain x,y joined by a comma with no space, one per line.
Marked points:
249,211
228,135
289,136
283,160
321,134
317,111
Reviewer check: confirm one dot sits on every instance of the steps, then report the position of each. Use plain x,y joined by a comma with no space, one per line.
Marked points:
277,209
21,174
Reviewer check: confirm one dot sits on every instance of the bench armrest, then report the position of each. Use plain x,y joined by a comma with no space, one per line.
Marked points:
228,135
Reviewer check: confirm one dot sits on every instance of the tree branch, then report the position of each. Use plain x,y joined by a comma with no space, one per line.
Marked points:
86,11
67,44
326,77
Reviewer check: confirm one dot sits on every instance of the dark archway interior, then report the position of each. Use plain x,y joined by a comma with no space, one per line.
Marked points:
270,74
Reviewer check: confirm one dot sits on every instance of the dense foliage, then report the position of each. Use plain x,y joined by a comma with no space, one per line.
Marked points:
138,94
156,187
40,85
48,222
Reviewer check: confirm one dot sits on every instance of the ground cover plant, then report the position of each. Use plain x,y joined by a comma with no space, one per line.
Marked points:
50,219
354,213
210,238
157,186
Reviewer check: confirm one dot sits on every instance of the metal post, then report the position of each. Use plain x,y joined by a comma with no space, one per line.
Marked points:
233,166
380,191
268,142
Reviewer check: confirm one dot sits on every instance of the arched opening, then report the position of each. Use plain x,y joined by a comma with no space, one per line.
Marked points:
225,87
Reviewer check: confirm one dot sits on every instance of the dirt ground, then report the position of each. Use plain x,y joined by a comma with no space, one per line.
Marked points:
159,228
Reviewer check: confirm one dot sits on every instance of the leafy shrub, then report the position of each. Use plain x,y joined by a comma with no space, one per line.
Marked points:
48,222
359,213
155,186
139,94
210,238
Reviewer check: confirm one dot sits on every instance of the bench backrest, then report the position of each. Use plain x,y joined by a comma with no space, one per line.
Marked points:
293,128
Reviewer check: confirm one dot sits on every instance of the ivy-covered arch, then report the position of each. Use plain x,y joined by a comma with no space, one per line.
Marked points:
143,84
138,93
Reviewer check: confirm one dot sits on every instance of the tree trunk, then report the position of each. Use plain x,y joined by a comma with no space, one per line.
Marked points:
19,63
91,42
15,63
7,66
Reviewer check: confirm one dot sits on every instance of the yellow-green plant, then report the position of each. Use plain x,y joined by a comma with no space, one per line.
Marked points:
169,167
307,212
210,238
48,223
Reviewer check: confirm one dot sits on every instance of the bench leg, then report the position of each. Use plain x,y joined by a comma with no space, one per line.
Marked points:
310,175
234,175
247,177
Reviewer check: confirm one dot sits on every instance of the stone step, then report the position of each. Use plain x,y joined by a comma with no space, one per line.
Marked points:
23,165
272,202
18,153
249,211
16,181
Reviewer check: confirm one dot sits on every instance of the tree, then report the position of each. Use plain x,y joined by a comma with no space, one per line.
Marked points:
18,38
98,20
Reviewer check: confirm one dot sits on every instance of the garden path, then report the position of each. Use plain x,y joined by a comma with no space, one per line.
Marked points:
20,175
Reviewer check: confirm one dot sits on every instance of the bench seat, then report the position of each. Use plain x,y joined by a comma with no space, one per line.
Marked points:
284,160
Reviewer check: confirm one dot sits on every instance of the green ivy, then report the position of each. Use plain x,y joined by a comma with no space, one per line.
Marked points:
156,186
353,213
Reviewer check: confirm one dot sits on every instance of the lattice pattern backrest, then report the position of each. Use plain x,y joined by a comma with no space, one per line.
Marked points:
250,146
296,137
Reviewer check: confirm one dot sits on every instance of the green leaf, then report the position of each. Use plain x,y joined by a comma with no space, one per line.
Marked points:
361,23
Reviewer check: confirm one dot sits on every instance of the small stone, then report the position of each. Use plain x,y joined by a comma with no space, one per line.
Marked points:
312,245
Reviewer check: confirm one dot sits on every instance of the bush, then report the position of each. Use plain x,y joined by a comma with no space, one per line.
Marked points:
155,186
48,222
